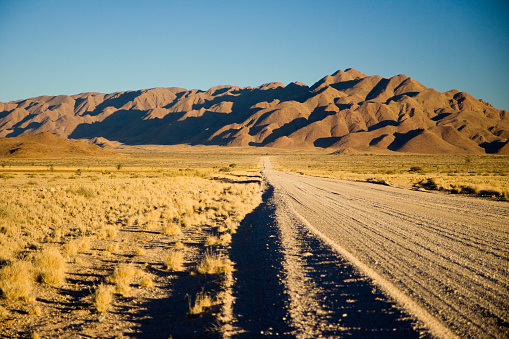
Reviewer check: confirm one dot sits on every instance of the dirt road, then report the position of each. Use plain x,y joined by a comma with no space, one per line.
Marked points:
443,259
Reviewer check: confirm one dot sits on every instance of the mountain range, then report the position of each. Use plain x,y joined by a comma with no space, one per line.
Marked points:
346,112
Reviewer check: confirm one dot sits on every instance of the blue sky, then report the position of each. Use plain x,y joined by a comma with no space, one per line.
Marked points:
69,47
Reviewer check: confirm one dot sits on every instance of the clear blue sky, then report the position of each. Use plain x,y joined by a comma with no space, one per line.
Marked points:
69,47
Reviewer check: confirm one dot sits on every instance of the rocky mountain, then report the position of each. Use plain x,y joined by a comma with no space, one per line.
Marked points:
347,111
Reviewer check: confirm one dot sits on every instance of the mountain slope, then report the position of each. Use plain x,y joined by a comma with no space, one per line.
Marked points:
48,145
345,110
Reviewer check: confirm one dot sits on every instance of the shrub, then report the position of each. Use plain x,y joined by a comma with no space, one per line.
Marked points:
16,280
106,232
77,245
213,264
212,241
174,260
50,267
223,240
150,225
85,192
36,310
202,303
415,169
4,313
186,221
102,298
172,229
146,282
122,276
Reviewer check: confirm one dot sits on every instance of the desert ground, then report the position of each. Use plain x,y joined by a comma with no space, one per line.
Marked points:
187,242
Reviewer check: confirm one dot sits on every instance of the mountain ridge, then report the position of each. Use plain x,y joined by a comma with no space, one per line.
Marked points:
347,110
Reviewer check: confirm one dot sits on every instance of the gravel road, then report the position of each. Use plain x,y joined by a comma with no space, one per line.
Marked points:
349,252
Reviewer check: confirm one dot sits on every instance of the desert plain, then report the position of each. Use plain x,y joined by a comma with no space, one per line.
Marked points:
185,241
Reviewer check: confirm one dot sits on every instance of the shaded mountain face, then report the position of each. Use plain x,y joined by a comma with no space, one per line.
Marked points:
344,111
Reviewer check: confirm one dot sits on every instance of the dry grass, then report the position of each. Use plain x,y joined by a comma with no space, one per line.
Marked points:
212,241
179,245
486,175
146,282
122,277
223,240
50,267
174,260
4,313
109,215
213,263
77,245
16,281
202,303
102,298
35,310
106,232
172,229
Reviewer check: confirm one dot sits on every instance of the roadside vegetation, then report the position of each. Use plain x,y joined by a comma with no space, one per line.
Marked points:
486,175
89,246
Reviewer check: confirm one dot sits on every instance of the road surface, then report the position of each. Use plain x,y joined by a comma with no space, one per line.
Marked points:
443,259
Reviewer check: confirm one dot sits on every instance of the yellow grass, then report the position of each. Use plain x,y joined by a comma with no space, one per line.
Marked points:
77,245
16,280
102,211
172,229
122,277
140,251
4,313
202,303
36,310
146,282
50,267
213,263
174,260
102,298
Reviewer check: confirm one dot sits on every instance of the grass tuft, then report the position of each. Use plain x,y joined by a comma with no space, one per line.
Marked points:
172,229
146,282
213,263
174,260
50,267
4,313
122,277
36,310
102,298
202,303
16,281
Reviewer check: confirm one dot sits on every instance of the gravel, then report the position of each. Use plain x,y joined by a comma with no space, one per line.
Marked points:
361,260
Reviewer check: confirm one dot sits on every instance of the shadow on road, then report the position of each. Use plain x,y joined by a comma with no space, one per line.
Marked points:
351,305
